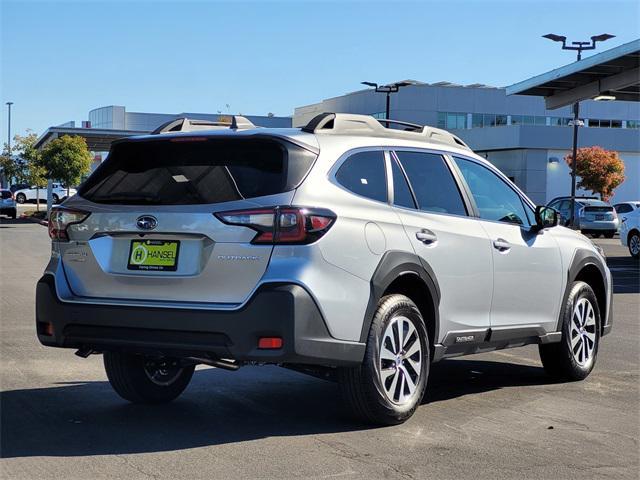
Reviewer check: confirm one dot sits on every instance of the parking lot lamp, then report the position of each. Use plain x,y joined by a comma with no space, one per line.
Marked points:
576,122
388,90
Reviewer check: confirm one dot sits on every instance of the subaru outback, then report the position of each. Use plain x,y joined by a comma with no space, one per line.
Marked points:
352,249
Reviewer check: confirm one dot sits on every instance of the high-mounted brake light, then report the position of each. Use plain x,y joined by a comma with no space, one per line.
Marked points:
282,225
60,219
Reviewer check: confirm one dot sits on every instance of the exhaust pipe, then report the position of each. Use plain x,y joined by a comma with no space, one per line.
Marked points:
224,364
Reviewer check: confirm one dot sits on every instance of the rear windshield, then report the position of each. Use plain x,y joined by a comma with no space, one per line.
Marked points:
5,194
196,170
593,203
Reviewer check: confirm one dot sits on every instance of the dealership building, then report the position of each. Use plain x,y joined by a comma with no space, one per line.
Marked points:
523,134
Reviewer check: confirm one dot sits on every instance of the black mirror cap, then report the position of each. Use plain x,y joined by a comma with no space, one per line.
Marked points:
546,217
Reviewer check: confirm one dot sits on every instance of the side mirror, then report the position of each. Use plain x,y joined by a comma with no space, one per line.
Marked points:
546,217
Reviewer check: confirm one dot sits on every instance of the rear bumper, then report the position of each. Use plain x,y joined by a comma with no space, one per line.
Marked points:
275,310
602,225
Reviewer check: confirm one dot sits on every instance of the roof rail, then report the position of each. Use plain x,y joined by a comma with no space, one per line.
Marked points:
190,125
351,124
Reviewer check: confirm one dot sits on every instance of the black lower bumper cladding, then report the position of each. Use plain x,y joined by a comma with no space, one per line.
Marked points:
275,310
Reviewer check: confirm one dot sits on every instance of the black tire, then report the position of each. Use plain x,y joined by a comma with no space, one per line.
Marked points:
131,377
609,234
55,198
362,388
558,359
14,214
21,198
634,236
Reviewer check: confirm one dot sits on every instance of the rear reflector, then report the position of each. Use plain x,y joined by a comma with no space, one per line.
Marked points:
269,343
282,225
45,328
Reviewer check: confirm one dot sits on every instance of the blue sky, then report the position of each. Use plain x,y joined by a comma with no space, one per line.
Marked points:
61,59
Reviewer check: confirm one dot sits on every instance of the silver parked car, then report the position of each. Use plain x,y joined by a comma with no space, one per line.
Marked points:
7,204
592,215
343,249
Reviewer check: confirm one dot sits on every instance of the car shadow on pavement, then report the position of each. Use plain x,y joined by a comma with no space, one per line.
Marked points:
219,407
625,272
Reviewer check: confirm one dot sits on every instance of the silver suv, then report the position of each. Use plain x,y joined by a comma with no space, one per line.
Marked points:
344,249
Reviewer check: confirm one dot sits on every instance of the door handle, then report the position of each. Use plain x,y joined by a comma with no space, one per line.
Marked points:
501,245
426,236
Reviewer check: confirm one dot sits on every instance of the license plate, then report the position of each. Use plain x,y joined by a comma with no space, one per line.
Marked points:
157,255
599,217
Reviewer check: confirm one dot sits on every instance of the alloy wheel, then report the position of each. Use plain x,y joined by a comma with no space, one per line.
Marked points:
634,245
400,361
583,332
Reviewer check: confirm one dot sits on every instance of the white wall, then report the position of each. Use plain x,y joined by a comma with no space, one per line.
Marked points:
559,180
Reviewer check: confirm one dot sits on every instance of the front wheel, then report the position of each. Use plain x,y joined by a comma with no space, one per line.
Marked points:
609,234
389,385
21,198
55,198
574,356
634,245
141,379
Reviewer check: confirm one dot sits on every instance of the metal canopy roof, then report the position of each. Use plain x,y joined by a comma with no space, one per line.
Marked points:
614,72
98,139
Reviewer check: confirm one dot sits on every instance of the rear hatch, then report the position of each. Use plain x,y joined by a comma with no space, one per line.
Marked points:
599,213
151,233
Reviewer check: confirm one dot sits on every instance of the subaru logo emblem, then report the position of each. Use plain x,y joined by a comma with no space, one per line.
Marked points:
147,222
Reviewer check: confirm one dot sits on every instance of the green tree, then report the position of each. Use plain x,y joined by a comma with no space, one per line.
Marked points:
30,159
600,170
66,159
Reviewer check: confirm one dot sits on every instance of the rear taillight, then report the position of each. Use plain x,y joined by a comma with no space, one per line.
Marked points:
60,219
282,225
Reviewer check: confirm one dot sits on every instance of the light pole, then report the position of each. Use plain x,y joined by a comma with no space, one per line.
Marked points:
9,128
576,122
388,89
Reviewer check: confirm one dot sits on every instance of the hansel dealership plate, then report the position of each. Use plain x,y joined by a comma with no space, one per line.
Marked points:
157,255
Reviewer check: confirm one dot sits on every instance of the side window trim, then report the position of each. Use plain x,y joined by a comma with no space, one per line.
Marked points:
504,180
394,158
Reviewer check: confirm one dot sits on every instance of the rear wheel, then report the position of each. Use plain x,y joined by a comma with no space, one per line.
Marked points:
389,385
21,198
55,198
14,213
574,356
141,379
634,244
609,234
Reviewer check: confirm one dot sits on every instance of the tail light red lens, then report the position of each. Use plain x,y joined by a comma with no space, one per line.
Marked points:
60,219
282,225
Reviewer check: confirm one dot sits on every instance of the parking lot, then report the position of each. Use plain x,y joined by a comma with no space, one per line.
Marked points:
493,415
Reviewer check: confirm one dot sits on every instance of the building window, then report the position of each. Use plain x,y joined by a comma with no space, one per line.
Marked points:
501,120
379,115
452,120
633,123
616,123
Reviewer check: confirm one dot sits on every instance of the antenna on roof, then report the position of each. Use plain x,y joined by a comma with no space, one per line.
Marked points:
192,125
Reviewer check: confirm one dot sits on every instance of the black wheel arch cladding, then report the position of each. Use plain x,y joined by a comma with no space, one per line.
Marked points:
405,267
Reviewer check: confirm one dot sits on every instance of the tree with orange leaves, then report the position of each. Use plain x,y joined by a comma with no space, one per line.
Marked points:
600,170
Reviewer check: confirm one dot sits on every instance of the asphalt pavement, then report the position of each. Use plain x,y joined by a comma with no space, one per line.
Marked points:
494,415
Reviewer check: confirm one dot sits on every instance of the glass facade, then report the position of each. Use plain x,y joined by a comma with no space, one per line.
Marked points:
455,120
452,120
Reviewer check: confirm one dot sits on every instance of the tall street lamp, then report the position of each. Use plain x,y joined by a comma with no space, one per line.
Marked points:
576,122
388,89
9,128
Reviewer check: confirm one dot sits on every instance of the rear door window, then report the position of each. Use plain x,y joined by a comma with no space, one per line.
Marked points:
432,182
402,196
196,170
363,173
